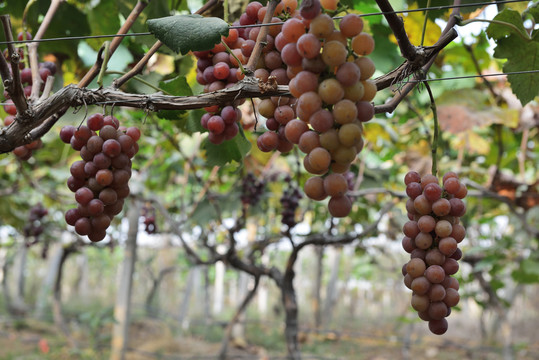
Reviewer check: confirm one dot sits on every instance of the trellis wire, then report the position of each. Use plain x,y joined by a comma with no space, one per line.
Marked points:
404,82
443,7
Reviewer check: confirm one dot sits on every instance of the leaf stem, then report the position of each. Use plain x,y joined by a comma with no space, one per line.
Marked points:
425,24
523,35
139,79
106,57
228,50
25,14
434,146
225,11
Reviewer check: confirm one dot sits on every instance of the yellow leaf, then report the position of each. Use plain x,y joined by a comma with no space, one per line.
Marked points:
413,24
471,142
375,133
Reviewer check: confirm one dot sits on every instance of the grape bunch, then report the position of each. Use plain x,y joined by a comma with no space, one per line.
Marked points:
328,74
100,179
431,237
46,69
148,218
34,227
251,189
216,70
290,202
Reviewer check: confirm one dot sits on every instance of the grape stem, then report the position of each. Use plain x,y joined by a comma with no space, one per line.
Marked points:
130,21
396,24
32,48
425,24
262,35
137,69
436,130
228,50
139,79
525,36
105,51
226,9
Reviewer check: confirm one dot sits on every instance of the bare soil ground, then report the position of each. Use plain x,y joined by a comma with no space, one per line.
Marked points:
151,339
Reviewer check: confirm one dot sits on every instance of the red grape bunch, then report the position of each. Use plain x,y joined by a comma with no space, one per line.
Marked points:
290,202
34,227
216,70
432,235
148,217
100,179
252,189
46,69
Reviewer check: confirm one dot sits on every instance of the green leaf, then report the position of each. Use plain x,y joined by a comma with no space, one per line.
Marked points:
534,11
499,31
177,86
187,121
527,273
103,19
184,33
231,150
193,124
521,55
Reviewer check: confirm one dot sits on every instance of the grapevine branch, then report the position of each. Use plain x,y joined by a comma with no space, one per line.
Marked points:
72,96
32,48
44,113
137,69
13,84
414,65
262,35
90,75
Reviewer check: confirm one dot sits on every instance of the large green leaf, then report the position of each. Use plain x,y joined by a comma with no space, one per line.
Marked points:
501,30
177,86
521,52
527,273
534,11
184,33
521,56
230,150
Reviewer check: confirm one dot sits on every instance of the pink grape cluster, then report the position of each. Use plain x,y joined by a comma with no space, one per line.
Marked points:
333,93
100,179
432,235
46,69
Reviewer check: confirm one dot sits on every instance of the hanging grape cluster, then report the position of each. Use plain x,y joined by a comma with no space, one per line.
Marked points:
216,70
328,75
290,202
252,189
432,235
100,179
148,218
34,227
46,69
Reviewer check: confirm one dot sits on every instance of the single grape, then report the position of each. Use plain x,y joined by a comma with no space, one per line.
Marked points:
351,25
339,206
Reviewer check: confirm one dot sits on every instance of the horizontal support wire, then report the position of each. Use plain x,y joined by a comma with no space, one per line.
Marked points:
444,7
403,82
